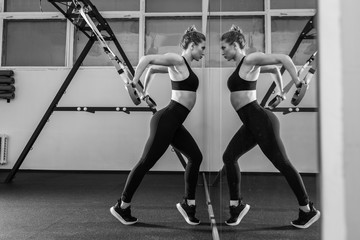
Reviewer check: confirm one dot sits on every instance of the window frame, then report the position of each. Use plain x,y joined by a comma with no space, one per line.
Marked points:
141,15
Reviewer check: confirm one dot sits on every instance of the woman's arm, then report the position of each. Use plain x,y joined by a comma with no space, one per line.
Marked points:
148,76
262,59
278,78
168,59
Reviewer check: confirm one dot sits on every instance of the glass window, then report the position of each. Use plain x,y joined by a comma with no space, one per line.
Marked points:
126,32
30,6
101,5
163,35
34,43
235,6
116,5
284,34
173,6
293,4
253,28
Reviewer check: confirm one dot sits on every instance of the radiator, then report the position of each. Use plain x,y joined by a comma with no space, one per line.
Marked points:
3,148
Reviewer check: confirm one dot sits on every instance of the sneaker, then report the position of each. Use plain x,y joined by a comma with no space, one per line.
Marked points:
237,213
188,212
306,219
123,215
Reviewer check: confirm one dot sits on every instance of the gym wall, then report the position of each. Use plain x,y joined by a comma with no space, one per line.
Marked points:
114,140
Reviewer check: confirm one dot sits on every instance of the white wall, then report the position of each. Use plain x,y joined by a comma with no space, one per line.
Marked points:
350,37
340,117
114,141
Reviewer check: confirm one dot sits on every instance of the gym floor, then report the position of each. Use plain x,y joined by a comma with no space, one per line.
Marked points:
75,205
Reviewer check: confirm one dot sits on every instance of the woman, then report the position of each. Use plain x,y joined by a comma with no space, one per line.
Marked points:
166,125
260,126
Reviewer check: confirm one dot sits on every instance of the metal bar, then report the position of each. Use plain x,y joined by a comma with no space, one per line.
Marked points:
309,25
70,16
103,109
181,158
49,111
214,230
286,110
220,174
106,26
295,109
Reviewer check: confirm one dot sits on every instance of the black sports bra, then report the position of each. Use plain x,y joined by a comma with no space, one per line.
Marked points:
189,84
236,83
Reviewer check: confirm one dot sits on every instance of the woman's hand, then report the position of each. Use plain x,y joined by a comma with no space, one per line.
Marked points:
144,95
282,95
133,84
297,82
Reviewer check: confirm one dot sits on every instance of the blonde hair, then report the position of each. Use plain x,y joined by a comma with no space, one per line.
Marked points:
191,35
235,34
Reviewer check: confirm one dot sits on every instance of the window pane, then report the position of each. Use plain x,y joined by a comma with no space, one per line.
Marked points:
126,32
163,35
173,6
30,6
285,32
253,28
101,5
238,5
34,43
293,4
116,5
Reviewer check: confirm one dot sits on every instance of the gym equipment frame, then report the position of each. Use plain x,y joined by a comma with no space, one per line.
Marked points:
303,35
69,8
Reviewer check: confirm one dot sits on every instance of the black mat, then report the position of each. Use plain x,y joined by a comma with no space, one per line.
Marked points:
66,205
272,207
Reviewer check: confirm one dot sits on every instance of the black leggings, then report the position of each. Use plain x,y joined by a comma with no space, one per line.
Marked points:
260,126
166,128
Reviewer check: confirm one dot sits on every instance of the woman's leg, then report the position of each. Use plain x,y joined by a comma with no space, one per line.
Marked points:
163,126
241,143
267,134
185,143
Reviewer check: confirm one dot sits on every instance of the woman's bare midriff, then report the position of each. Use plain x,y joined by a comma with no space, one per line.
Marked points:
185,98
239,99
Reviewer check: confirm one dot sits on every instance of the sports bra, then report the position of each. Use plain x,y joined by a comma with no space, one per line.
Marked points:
189,84
236,83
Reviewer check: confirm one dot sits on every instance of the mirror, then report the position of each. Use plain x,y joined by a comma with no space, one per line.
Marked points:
282,27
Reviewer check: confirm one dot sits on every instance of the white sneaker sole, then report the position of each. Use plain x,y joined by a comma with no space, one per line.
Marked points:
118,217
183,213
310,222
241,215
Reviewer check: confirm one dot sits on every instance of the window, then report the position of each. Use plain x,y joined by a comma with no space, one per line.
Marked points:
235,6
173,6
126,32
285,32
44,5
164,34
34,43
253,28
293,4
116,5
29,6
156,27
